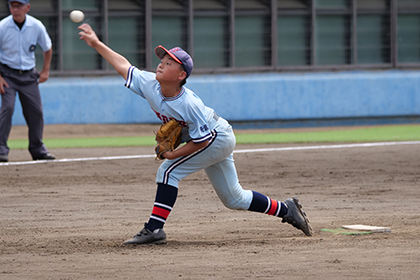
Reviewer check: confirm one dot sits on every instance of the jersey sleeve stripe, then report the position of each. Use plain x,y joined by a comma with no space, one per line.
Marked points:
129,77
202,139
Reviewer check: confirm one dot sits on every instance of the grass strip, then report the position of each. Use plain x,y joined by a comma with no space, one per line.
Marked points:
90,142
345,231
369,134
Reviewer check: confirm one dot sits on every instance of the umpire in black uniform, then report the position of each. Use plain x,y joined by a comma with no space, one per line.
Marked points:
20,34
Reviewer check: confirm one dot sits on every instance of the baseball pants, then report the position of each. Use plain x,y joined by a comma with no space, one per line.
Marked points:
217,161
25,83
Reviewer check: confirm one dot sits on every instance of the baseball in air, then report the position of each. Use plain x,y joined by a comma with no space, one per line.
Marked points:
77,16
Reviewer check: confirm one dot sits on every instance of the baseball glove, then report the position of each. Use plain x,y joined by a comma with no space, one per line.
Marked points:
168,138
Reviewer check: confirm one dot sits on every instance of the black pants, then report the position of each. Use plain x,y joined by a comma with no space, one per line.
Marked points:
26,84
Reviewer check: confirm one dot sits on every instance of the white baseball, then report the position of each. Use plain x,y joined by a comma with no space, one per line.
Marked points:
77,16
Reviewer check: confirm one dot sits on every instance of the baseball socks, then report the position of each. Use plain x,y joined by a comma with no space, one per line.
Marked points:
291,211
153,232
263,204
165,199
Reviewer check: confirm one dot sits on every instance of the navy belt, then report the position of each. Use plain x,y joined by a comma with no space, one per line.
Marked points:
17,70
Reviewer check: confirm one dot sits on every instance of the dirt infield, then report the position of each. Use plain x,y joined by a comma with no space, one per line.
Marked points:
67,220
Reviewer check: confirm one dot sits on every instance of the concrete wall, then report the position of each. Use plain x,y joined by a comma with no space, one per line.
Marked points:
250,97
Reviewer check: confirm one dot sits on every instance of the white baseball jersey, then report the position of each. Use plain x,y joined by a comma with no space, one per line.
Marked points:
200,123
187,108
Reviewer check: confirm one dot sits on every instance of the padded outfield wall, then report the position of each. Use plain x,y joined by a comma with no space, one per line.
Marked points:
259,98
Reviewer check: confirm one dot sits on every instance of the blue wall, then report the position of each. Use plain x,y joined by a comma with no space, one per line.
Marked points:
248,97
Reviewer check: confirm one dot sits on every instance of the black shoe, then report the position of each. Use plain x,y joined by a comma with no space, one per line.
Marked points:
47,156
145,236
296,216
4,158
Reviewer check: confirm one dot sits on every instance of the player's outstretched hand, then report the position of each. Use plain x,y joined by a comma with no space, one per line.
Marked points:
119,62
88,35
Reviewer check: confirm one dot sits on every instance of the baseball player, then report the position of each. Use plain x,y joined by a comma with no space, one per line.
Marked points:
209,141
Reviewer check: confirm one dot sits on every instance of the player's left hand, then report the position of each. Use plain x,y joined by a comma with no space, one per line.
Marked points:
43,76
169,155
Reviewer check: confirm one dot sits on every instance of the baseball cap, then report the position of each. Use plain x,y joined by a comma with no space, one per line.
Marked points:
20,1
177,54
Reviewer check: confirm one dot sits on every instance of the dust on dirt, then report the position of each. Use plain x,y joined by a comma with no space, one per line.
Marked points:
67,220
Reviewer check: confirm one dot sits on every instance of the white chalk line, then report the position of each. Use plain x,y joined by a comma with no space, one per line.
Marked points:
75,159
358,145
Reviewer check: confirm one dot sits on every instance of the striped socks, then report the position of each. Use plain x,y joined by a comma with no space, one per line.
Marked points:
165,199
166,196
263,204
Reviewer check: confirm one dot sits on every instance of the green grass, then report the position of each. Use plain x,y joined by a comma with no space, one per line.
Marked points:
371,134
90,142
368,134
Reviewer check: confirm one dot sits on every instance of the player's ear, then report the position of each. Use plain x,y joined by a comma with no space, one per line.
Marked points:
182,75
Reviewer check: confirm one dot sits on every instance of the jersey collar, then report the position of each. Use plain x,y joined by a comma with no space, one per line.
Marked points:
173,97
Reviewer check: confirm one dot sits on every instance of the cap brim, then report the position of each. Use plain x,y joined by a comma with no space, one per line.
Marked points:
160,51
22,2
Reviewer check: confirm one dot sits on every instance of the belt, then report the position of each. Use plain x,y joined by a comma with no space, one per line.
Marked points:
16,70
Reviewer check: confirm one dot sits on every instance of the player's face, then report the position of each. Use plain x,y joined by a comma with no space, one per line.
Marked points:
19,10
169,70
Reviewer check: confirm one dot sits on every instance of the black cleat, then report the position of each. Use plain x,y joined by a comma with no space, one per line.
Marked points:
4,158
146,236
296,216
47,156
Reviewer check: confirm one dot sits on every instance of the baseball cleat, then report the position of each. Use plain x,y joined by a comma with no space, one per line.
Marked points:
146,236
4,158
47,156
296,216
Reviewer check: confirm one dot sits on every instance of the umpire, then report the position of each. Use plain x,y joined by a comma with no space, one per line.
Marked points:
20,33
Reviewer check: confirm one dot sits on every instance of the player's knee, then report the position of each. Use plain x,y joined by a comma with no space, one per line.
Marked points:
239,202
230,205
234,205
38,112
7,109
165,177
